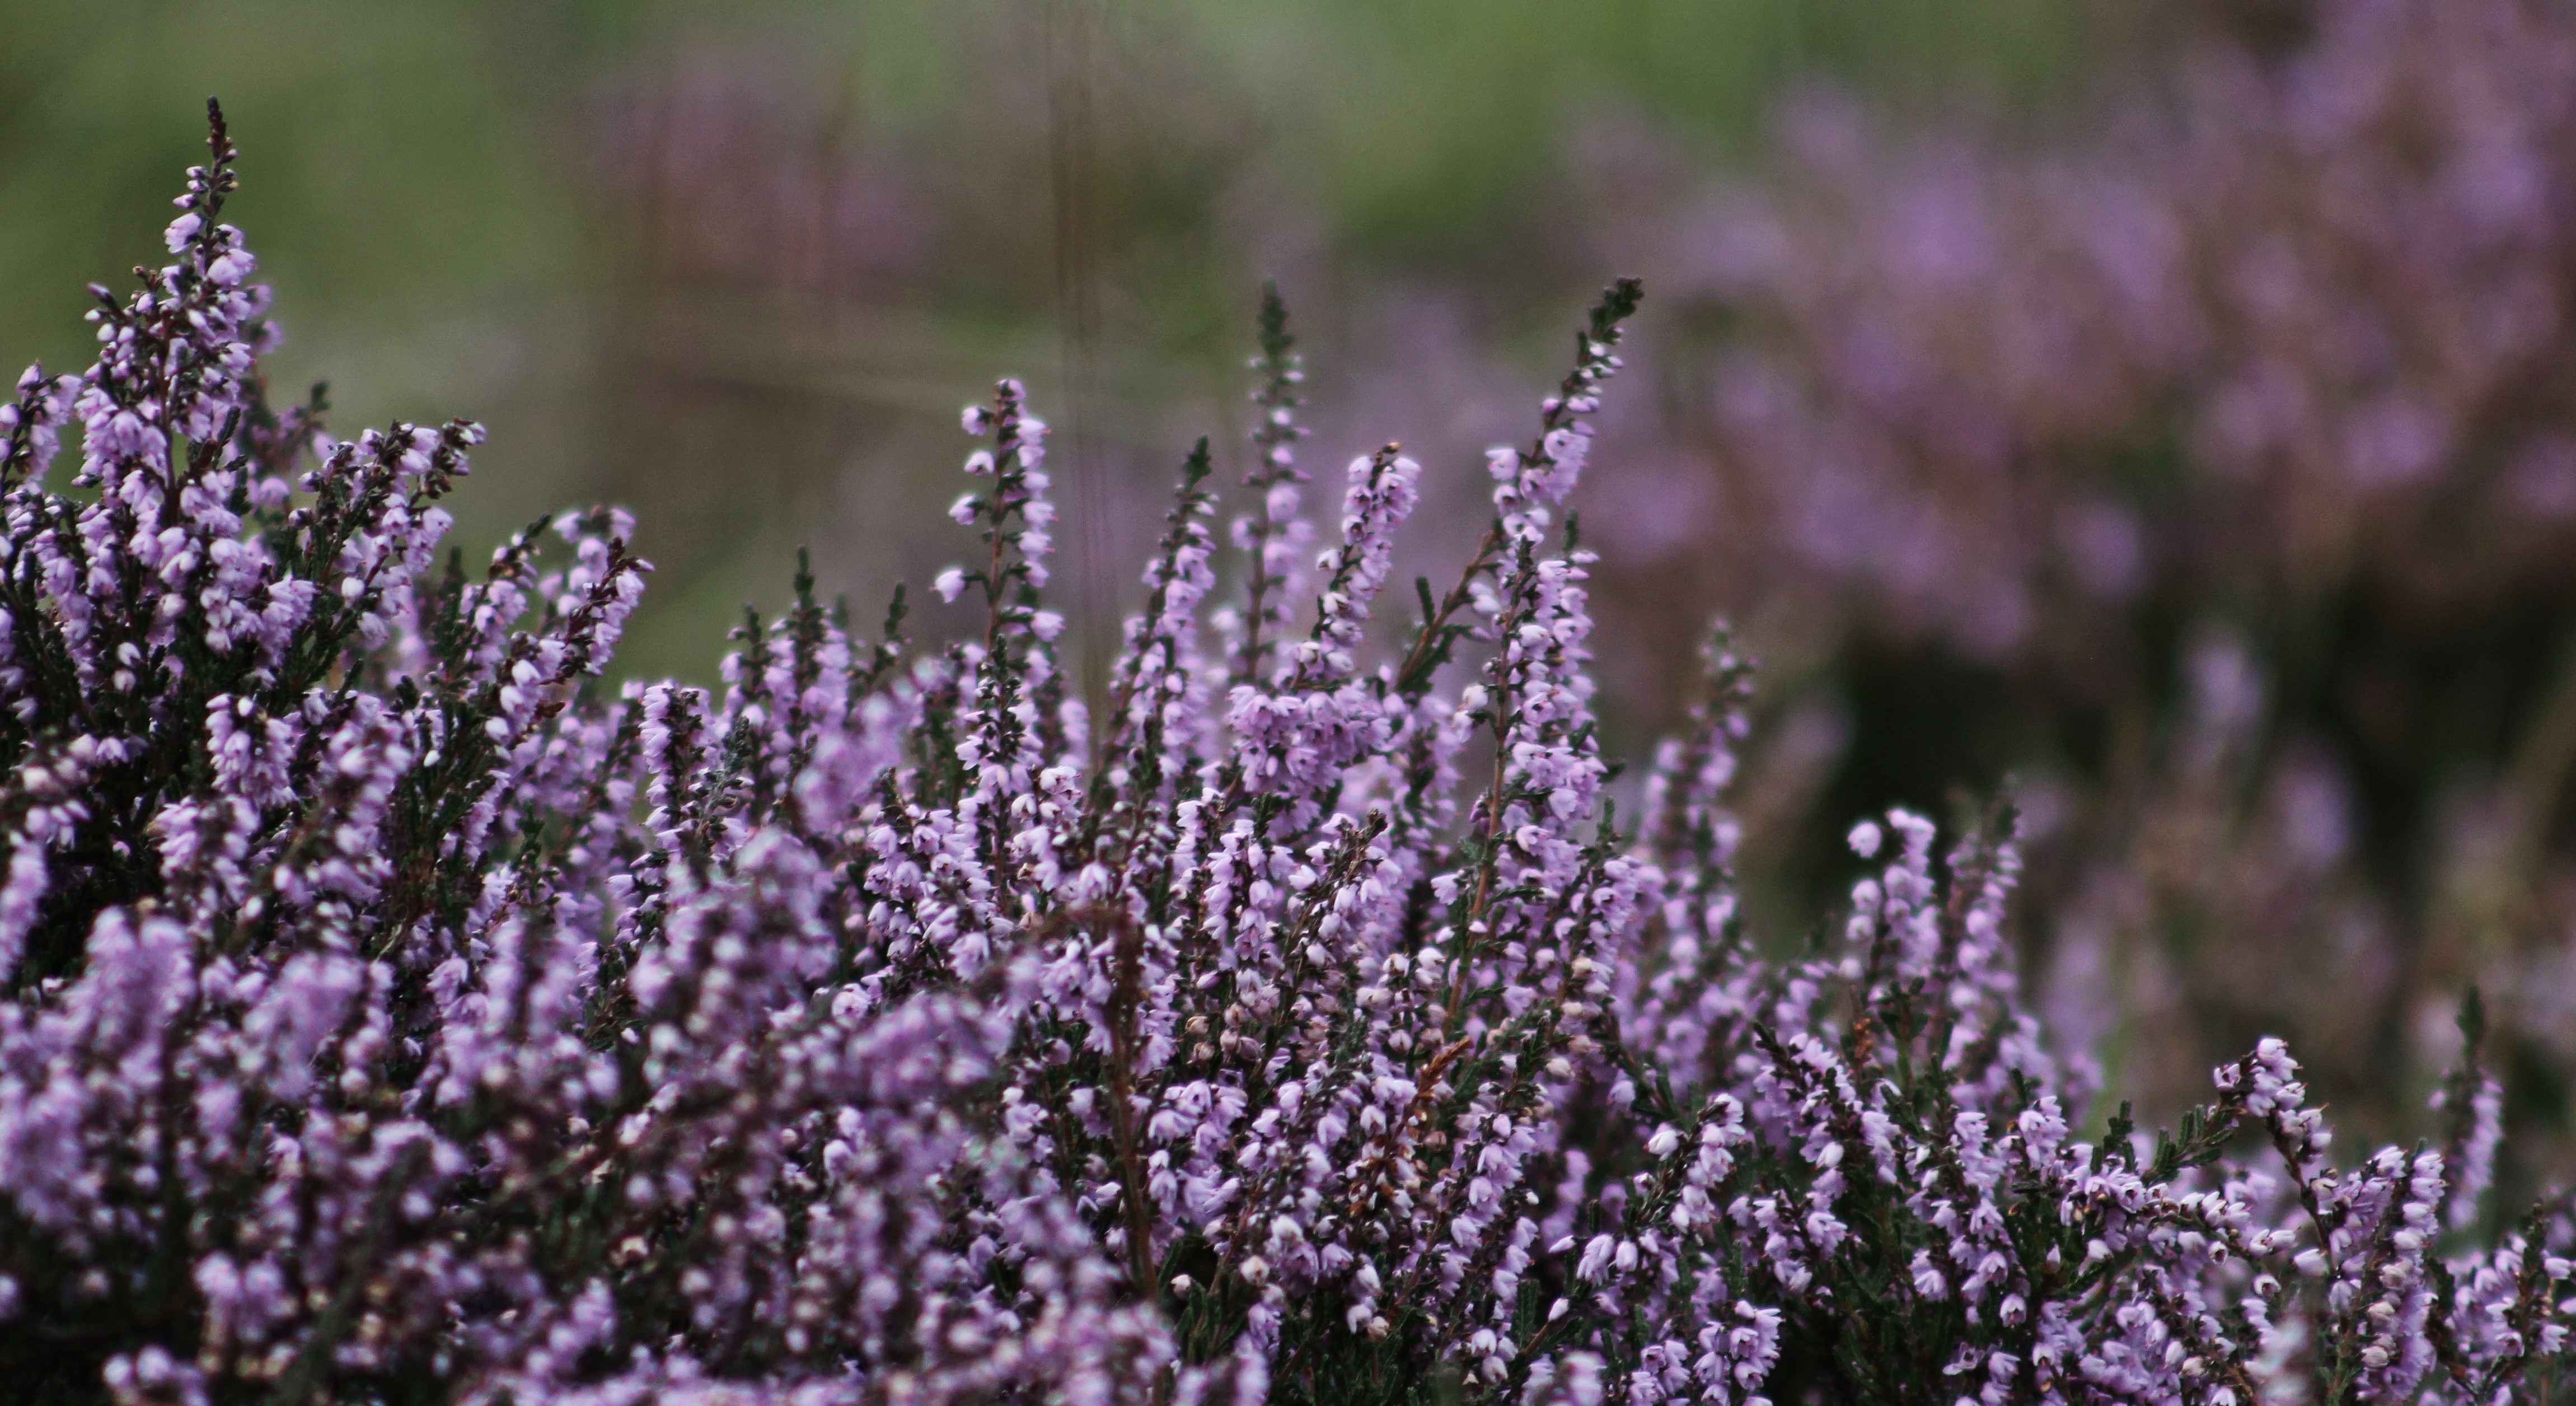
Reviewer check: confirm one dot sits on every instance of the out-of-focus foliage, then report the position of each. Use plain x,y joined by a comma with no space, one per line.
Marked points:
2213,464
429,235
705,257
817,221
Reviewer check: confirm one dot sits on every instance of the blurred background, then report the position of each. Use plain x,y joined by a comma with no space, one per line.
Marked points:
2168,411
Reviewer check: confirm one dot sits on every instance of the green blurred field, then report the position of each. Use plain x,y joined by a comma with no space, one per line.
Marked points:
437,204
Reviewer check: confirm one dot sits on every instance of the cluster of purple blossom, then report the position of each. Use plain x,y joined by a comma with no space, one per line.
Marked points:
394,1015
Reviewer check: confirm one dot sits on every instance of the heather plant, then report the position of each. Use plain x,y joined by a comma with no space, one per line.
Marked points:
396,1013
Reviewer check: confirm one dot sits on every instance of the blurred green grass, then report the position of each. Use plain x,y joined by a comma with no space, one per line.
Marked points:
424,183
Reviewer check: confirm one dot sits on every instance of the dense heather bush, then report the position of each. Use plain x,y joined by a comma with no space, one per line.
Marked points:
394,1016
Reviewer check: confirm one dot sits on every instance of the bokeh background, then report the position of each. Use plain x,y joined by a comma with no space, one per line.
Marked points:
2165,412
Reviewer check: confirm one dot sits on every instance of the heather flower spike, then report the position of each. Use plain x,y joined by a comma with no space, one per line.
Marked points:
394,1012
1272,535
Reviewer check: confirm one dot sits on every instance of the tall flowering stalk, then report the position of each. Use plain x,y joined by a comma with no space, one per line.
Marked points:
395,1013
